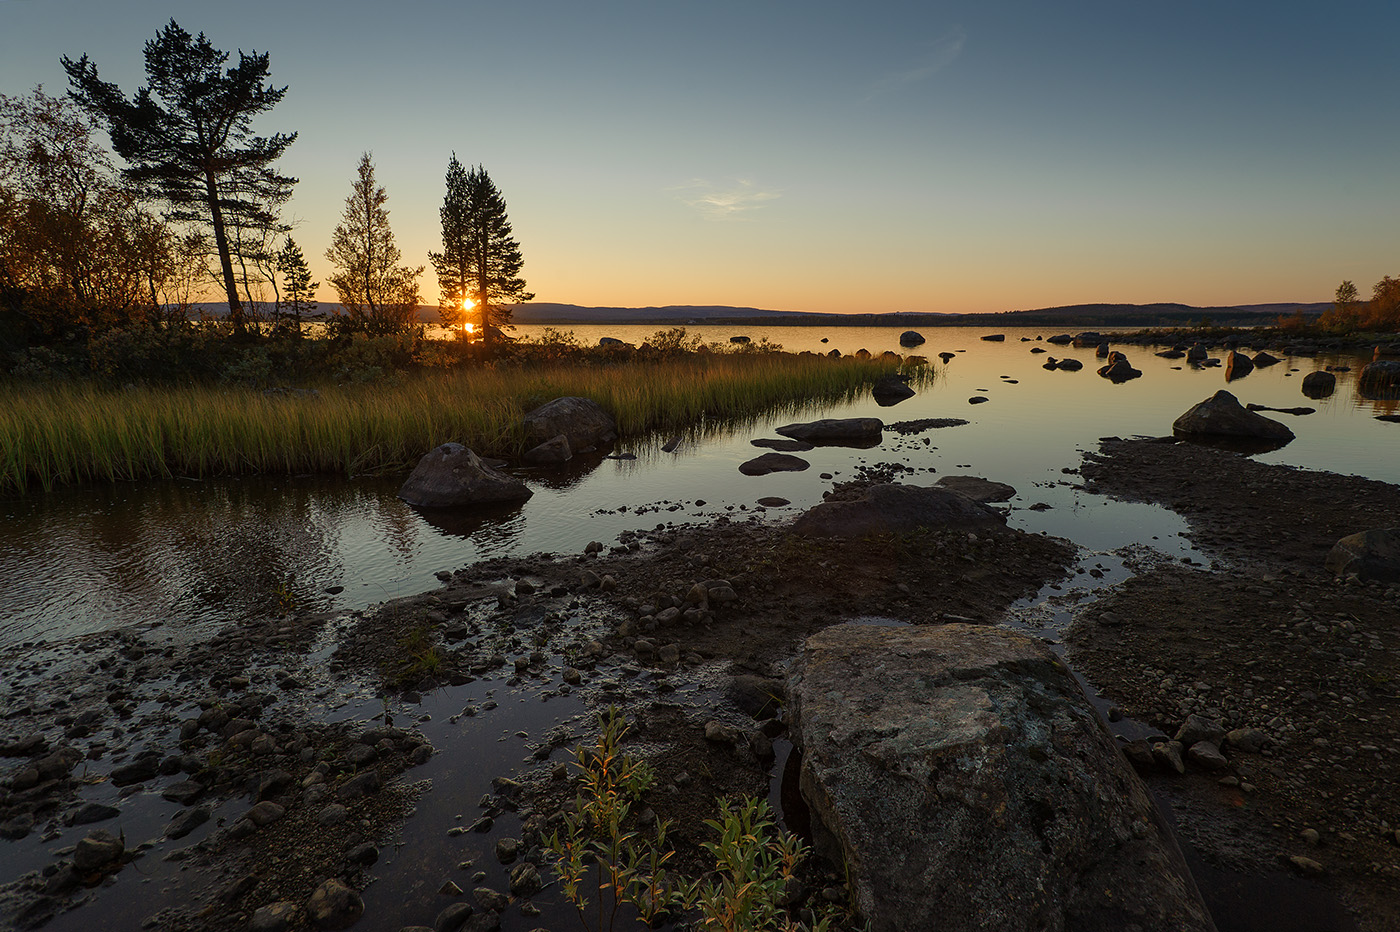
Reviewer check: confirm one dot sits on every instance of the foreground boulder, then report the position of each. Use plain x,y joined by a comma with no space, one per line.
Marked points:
891,508
849,431
452,475
1222,415
969,785
582,421
1371,556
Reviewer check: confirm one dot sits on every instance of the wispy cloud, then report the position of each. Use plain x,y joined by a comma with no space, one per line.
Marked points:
941,53
731,201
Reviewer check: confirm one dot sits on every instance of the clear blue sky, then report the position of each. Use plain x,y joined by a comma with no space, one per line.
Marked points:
831,156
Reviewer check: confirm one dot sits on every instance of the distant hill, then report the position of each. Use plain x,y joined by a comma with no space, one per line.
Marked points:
1072,315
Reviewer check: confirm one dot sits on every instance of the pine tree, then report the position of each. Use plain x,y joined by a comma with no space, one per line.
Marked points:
188,136
299,291
378,294
480,260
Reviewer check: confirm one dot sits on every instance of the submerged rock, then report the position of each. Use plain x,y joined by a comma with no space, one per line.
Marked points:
453,475
552,452
1222,415
894,508
969,785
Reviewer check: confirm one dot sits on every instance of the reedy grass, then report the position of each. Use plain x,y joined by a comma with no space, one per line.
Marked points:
62,434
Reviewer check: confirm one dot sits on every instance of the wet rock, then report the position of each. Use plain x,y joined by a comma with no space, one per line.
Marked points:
1381,377
507,850
1119,369
893,508
772,501
994,338
581,421
773,462
453,917
784,446
978,400
452,475
265,813
1196,353
1087,338
88,813
979,489
1060,339
1223,415
186,821
274,917
99,851
1370,556
1168,755
494,900
1319,384
980,743
889,389
17,827
24,746
851,431
1249,740
363,855
552,452
1237,366
1069,365
719,733
1199,728
361,785
1206,755
1263,359
138,771
334,906
911,338
185,792
525,880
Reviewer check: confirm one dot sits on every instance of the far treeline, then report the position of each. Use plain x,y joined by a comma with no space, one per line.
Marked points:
101,268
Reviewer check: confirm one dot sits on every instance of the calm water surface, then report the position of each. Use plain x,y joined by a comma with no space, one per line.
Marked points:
189,554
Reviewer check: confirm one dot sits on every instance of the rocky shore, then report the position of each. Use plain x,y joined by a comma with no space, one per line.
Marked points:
283,805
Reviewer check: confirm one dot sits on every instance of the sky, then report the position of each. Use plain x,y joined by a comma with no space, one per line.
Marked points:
976,156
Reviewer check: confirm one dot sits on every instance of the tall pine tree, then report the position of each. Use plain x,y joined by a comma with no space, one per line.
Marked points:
378,294
480,260
298,290
188,136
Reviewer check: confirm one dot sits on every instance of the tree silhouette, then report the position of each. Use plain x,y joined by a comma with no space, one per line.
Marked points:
378,294
188,137
480,259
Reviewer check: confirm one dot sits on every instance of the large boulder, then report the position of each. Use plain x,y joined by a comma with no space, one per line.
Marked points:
582,421
911,338
891,508
969,785
453,475
849,431
1222,415
1371,555
1381,377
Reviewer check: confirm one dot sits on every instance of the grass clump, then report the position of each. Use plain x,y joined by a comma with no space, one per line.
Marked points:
754,862
62,433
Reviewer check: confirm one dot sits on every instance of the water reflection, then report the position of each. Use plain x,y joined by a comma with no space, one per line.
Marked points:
190,553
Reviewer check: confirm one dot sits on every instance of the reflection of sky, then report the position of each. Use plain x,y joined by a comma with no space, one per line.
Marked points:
87,559
954,156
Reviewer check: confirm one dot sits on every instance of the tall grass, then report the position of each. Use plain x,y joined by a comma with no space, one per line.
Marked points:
60,434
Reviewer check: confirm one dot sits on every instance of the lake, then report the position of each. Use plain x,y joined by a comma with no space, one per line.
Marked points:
190,554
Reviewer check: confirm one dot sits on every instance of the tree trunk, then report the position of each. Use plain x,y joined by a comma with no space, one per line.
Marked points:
235,306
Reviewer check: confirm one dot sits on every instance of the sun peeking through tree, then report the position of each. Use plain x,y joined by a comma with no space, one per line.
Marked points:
479,266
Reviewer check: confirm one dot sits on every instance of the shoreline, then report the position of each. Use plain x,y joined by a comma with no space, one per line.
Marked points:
576,631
